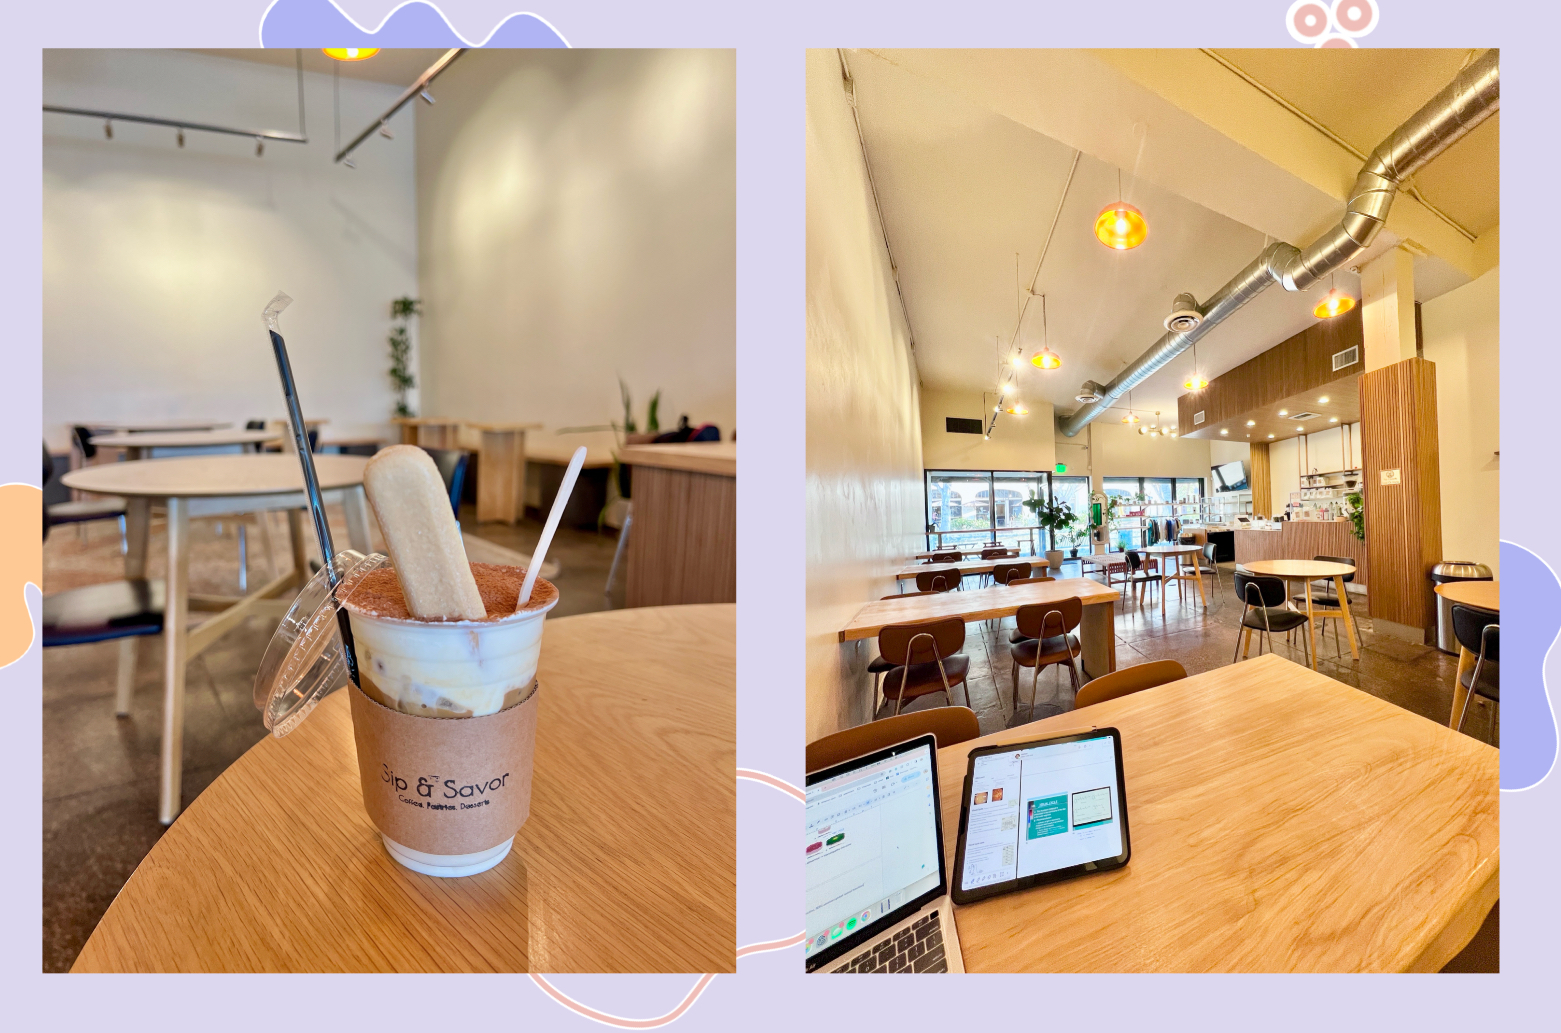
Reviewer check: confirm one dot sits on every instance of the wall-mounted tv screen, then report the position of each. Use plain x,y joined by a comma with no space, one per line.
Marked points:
1231,476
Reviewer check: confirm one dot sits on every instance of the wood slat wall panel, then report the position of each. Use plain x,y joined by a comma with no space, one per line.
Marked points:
1403,521
683,542
1298,364
1302,540
1262,480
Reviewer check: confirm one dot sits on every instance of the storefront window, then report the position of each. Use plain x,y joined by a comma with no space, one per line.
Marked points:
966,508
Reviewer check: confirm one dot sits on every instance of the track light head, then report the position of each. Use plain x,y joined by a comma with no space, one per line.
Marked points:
179,136
108,129
260,147
427,96
384,131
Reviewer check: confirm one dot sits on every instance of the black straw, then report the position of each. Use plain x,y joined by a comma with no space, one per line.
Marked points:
322,529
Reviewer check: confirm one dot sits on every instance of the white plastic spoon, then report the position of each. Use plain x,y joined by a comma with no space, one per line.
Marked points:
576,461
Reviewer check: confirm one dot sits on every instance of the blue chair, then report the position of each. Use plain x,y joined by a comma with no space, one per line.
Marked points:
451,463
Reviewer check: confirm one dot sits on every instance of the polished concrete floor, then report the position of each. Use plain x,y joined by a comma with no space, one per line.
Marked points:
100,772
1417,678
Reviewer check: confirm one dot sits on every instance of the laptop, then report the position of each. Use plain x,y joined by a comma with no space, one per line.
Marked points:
877,885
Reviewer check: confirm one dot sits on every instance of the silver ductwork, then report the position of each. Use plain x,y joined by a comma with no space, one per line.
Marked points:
1471,98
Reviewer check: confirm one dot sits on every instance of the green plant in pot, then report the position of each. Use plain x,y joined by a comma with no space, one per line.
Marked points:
1051,515
401,378
1073,536
1355,504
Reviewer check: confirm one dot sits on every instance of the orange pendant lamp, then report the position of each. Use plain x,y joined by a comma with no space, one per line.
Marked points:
1131,417
350,53
1195,381
1333,303
1045,358
1120,226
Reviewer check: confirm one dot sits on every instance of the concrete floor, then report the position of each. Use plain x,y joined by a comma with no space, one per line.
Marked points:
100,772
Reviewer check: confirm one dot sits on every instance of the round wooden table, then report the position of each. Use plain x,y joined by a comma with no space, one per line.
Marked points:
174,423
147,445
220,485
1482,595
1169,550
1307,571
626,864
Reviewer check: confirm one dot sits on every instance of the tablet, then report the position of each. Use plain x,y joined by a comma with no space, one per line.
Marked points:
1036,812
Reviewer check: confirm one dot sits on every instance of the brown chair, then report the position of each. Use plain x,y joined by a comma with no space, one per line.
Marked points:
1003,573
1048,639
945,557
1014,636
878,666
950,725
939,579
998,552
926,657
1127,681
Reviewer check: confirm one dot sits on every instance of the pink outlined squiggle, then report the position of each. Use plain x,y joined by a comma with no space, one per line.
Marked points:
621,1022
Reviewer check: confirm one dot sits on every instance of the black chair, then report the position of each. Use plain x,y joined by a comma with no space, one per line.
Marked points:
1327,605
1208,563
1264,611
1138,575
84,511
452,470
255,425
1478,632
123,610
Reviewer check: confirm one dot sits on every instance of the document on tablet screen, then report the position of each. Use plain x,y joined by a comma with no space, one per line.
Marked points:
1040,809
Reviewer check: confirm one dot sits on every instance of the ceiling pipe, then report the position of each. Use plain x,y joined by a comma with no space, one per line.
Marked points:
1471,98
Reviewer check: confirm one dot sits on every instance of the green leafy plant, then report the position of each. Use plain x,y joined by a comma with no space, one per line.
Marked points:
628,408
1050,514
652,423
401,312
1355,503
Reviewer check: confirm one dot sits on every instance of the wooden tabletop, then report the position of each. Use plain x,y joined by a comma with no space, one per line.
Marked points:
1170,549
554,450
977,604
186,438
1482,595
502,426
1280,821
170,424
626,864
907,573
715,457
215,476
973,550
1298,570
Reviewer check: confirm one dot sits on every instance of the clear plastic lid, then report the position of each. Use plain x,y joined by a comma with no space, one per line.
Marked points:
305,661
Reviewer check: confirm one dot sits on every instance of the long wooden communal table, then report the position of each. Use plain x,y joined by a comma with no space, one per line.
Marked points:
970,567
1280,822
1482,595
1097,631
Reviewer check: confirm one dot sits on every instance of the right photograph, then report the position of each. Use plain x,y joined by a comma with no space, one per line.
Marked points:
1152,582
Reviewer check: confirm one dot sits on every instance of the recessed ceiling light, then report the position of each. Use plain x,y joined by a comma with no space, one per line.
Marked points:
1270,435
1333,419
1323,400
1224,431
1284,412
1252,423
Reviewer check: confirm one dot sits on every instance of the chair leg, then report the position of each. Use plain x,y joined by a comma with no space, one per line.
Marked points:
243,556
124,684
124,538
1035,684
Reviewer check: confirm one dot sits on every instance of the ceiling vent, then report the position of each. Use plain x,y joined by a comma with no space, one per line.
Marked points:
1184,314
1298,416
1197,417
1348,357
1089,393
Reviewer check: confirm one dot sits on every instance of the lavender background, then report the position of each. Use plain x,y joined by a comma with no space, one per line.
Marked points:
768,992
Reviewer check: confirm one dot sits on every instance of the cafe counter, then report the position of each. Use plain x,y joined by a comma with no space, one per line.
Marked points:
1303,540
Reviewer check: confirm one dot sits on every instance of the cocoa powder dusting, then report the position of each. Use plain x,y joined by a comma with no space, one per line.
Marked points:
378,593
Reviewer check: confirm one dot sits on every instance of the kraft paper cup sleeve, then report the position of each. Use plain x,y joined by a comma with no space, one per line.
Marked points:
446,785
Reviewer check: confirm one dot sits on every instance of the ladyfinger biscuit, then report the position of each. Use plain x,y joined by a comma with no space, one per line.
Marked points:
413,509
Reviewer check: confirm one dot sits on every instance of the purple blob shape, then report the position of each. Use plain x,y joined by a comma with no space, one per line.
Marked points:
313,23
1531,617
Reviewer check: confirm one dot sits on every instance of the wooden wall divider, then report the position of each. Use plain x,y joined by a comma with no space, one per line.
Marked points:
683,540
1403,520
1261,479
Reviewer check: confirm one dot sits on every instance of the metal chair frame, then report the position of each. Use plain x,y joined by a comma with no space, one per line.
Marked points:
1474,679
1265,631
905,676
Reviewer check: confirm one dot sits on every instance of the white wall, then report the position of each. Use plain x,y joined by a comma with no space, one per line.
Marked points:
1017,442
1337,448
577,222
1462,336
864,464
1120,451
157,260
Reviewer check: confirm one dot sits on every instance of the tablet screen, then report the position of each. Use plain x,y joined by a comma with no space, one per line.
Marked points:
1040,808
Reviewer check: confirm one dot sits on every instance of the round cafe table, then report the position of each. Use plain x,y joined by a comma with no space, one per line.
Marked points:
148,445
214,485
1307,571
1482,595
627,862
172,423
1175,551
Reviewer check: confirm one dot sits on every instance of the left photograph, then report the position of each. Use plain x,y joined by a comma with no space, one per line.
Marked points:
390,464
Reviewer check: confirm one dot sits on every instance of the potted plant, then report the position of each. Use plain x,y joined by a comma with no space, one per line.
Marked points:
1074,535
1051,515
1355,504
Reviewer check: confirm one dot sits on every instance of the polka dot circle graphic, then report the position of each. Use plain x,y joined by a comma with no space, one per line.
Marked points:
1309,20
1355,17
1336,42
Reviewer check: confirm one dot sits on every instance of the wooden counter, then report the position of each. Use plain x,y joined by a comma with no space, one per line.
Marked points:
683,524
1303,540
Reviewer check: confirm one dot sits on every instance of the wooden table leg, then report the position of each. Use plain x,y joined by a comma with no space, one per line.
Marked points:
1311,624
1466,661
355,503
1344,615
1246,646
1197,575
175,613
295,534
1098,640
138,529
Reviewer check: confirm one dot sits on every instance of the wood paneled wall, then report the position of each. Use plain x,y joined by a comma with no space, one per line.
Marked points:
683,540
1293,366
1261,480
1404,520
1301,540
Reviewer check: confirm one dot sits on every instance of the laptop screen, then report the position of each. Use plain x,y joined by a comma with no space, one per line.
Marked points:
872,845
1041,809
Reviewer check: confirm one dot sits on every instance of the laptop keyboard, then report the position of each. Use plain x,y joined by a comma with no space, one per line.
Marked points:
916,948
